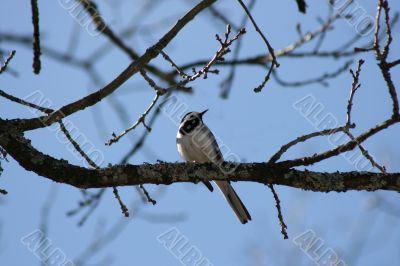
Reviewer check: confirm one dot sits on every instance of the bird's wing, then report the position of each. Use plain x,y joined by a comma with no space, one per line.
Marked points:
210,146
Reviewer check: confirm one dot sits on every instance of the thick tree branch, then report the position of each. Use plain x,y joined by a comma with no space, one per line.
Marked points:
167,173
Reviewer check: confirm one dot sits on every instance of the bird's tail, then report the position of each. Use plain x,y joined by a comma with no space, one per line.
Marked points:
234,201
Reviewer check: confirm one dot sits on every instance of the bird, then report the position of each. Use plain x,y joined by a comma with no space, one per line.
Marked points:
196,143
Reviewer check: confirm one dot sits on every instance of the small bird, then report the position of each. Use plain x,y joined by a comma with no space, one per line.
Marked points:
196,143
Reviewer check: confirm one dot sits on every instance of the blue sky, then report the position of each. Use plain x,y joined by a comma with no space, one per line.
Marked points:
359,226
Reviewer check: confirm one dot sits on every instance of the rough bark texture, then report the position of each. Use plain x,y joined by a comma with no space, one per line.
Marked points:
167,173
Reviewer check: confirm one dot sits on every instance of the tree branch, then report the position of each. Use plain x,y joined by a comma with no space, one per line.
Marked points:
36,37
9,58
167,173
133,68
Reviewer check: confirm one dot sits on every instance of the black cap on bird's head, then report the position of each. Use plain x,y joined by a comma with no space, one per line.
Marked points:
193,115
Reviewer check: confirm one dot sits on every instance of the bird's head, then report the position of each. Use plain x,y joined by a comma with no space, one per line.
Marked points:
193,115
191,121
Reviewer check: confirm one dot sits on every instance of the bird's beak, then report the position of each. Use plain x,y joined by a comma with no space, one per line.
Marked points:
202,113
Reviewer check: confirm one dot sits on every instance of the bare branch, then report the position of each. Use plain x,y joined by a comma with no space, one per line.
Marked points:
218,57
124,209
36,37
354,87
7,61
394,63
280,216
365,153
321,79
381,56
175,66
166,173
304,138
305,161
141,120
270,49
133,68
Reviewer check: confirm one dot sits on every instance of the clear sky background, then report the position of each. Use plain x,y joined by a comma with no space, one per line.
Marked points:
361,227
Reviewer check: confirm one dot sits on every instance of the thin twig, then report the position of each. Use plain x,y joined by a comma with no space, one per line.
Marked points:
304,138
365,153
147,195
270,49
76,145
217,58
23,102
92,207
91,203
175,66
321,79
141,120
36,37
354,87
389,37
5,64
394,63
381,56
280,216
44,217
377,29
124,209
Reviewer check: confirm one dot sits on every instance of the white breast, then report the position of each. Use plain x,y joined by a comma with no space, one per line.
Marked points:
197,146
